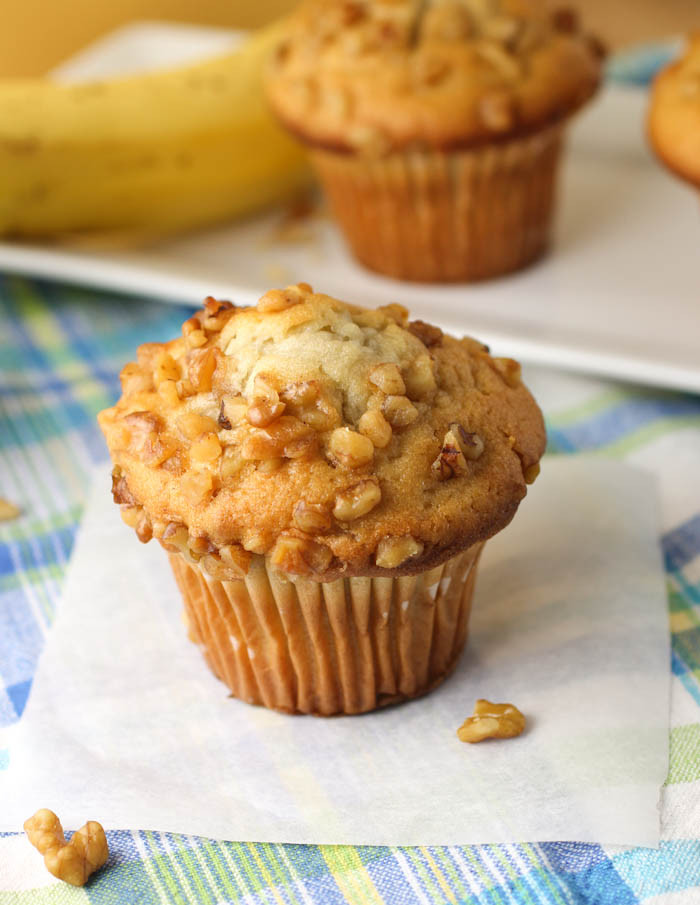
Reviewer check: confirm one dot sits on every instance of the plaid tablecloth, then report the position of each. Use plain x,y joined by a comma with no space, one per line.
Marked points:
60,352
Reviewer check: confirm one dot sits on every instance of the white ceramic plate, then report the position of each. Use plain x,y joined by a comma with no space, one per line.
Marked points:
619,295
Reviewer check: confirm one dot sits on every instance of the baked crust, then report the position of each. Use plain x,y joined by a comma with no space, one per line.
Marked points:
674,114
332,439
380,76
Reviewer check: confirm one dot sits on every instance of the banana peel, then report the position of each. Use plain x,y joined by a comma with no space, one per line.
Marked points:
145,155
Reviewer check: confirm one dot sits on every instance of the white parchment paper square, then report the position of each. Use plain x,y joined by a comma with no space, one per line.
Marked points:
126,725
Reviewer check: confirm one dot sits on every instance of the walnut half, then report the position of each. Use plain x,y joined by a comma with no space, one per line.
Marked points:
491,721
74,861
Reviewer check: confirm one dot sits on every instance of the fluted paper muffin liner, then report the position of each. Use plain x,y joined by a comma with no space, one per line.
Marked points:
460,215
344,646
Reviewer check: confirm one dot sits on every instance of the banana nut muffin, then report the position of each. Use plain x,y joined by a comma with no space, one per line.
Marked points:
323,477
674,114
435,126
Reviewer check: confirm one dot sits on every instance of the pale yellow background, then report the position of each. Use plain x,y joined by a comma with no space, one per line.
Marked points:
35,34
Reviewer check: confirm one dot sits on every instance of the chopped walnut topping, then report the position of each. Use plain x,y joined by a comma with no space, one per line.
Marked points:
509,369
471,444
275,300
393,551
143,528
312,518
307,401
266,406
235,558
192,323
255,542
299,556
200,545
451,462
75,861
196,338
120,489
287,436
146,440
167,390
419,378
130,515
357,500
531,472
213,306
264,412
176,463
458,446
135,380
192,425
426,333
201,367
302,393
231,463
491,721
350,448
215,314
184,388
388,379
280,299
375,426
214,565
399,411
165,368
206,450
175,538
232,411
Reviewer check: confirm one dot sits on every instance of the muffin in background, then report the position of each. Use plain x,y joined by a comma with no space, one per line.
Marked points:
323,477
436,128
674,114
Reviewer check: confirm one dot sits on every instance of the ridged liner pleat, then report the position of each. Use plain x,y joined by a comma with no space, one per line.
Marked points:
446,215
346,646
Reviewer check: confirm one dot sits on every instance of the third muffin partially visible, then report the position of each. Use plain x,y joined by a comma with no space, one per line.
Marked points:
436,127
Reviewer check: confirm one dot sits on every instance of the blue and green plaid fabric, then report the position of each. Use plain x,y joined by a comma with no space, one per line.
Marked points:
60,352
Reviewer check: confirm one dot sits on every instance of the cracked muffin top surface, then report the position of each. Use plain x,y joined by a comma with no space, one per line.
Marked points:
380,75
332,439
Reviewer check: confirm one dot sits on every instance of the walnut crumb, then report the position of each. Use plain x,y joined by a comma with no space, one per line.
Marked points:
491,721
8,510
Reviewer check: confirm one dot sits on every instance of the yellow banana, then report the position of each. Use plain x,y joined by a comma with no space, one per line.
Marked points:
154,153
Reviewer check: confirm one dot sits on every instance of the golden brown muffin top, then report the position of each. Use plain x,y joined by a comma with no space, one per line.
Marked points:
377,75
333,439
674,114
